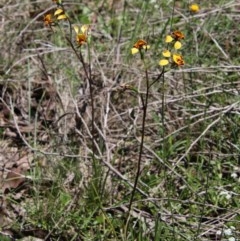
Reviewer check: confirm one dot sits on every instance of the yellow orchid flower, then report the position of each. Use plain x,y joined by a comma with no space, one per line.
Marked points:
178,59
194,8
166,53
140,44
48,20
60,14
81,36
177,45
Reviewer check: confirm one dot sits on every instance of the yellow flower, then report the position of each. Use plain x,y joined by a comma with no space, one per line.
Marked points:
81,37
178,59
177,45
166,53
140,44
48,21
85,28
58,11
169,39
176,36
194,8
60,14
163,62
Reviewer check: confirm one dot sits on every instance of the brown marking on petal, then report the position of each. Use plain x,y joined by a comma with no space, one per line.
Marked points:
178,35
48,19
140,44
81,38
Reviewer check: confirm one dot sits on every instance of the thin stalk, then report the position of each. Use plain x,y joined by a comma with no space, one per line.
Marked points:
91,99
80,58
87,72
144,108
144,101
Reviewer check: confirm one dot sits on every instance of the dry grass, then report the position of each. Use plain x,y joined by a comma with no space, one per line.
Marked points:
52,186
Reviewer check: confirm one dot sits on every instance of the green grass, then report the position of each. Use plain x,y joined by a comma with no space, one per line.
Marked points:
188,188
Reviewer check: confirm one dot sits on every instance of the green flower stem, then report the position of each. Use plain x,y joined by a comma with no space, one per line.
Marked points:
144,99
